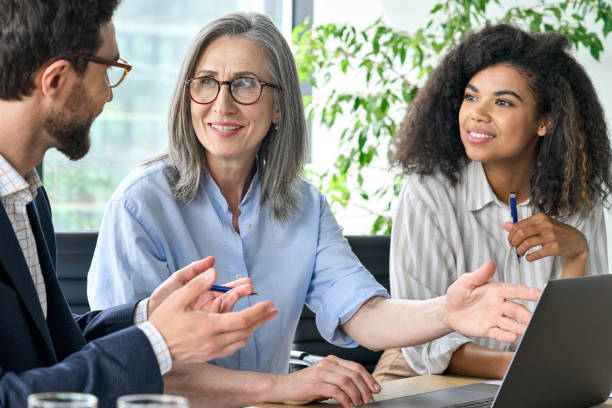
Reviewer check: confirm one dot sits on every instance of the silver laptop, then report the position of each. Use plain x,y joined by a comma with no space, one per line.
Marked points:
563,360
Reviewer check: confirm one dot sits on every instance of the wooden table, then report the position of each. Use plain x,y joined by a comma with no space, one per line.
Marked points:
414,385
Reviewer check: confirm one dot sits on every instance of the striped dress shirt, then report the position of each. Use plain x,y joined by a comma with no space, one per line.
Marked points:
16,192
441,231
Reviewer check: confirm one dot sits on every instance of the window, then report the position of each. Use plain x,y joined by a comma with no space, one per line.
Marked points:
153,36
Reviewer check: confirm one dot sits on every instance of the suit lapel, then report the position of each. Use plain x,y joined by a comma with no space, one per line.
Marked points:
16,268
60,321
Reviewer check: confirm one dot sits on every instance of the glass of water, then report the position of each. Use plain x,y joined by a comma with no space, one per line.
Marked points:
152,401
62,400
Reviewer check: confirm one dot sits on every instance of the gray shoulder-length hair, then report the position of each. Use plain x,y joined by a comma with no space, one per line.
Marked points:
283,151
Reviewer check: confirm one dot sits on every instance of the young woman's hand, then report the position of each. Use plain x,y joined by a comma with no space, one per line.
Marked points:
554,237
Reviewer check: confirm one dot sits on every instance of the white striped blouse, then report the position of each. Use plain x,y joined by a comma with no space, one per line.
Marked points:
441,231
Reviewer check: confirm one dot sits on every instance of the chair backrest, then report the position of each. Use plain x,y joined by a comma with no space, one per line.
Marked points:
373,252
75,250
74,253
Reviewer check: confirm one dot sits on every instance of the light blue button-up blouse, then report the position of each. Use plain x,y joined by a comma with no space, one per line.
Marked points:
146,235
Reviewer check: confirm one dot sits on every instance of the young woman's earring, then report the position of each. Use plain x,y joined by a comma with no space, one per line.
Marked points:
276,126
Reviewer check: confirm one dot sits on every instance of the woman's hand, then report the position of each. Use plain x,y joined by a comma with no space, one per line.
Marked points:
478,307
345,381
555,238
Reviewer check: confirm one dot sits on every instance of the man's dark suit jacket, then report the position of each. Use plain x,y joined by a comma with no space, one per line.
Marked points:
101,352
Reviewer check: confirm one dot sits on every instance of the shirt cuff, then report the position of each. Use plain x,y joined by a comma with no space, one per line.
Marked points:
142,311
155,338
435,356
158,344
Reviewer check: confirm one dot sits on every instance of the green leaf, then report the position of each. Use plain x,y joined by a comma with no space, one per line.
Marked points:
438,46
363,137
556,12
436,8
536,22
344,65
577,17
596,47
384,106
607,25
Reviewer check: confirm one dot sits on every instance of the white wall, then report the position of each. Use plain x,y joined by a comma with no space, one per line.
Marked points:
409,15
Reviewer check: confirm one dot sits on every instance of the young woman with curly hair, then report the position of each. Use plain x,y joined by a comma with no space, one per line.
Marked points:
505,111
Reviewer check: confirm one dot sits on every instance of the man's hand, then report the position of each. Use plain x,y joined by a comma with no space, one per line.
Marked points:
345,381
208,301
479,308
195,336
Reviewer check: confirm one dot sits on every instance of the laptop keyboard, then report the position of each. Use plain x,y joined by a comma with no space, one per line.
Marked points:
483,403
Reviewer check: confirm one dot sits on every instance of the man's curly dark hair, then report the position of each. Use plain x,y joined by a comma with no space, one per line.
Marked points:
572,169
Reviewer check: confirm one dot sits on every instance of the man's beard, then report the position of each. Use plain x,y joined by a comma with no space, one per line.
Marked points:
69,125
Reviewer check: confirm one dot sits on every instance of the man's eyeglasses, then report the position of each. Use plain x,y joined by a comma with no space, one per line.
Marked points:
116,71
244,90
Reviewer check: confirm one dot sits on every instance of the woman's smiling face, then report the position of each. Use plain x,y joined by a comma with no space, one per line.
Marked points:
497,118
229,130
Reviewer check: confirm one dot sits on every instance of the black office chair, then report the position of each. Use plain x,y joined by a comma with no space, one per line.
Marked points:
74,253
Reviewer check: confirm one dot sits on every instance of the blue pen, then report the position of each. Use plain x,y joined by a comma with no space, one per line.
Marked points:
219,288
514,216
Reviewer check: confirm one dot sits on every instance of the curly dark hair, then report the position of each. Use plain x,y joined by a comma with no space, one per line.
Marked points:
33,32
572,169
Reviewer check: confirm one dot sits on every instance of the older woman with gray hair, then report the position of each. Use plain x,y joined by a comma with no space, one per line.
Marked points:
231,187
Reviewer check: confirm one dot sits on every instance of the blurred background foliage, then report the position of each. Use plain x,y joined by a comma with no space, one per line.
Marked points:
392,65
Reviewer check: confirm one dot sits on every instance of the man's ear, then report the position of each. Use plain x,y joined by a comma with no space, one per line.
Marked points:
545,126
52,78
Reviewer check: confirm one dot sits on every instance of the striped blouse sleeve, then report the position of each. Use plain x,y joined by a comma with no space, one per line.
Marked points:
423,263
594,229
